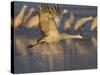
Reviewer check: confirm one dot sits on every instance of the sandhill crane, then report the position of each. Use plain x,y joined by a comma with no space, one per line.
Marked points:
18,20
82,21
94,24
48,27
68,23
93,27
28,15
33,22
22,18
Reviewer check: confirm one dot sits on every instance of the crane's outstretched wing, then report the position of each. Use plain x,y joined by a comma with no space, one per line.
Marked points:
47,23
